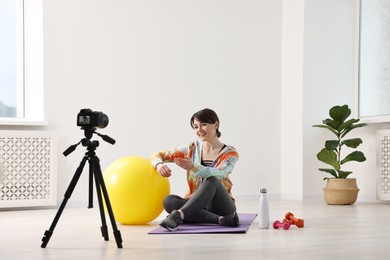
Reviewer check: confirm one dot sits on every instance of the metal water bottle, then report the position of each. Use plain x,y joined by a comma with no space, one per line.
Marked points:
263,209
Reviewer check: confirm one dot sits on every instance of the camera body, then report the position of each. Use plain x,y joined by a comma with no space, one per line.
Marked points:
87,118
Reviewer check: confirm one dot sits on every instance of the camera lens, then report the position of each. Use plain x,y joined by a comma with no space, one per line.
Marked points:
103,120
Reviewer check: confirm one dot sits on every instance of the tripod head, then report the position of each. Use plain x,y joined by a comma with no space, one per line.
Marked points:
88,133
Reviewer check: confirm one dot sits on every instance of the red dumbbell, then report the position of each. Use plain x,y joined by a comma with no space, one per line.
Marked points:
295,221
285,225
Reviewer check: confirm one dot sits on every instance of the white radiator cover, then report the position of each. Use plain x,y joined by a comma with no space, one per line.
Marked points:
27,169
383,165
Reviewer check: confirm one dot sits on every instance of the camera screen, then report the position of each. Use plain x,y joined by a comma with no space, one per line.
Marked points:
84,120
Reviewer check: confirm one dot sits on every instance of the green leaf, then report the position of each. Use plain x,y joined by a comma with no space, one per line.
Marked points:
351,128
331,144
344,174
359,125
340,113
332,123
329,157
331,171
352,143
327,127
354,156
348,124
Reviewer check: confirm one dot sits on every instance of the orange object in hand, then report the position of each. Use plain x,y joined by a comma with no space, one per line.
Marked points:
181,155
176,155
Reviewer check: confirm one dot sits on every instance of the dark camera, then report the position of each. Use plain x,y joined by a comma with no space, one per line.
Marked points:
87,118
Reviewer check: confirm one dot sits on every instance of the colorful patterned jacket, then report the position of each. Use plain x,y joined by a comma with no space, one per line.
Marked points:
221,167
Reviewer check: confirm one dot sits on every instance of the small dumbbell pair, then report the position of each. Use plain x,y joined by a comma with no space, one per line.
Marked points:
288,221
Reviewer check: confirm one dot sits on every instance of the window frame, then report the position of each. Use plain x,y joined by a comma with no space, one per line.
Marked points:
33,67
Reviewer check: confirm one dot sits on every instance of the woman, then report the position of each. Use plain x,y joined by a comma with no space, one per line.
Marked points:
208,163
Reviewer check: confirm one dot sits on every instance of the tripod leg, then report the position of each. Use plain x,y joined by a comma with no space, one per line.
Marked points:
90,196
103,228
99,175
68,193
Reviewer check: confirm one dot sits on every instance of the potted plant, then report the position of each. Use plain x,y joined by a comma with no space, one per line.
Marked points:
339,189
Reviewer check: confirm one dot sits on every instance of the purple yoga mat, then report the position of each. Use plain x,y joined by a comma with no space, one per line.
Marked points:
246,220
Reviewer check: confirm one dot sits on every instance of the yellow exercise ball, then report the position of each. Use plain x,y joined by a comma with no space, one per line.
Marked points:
135,189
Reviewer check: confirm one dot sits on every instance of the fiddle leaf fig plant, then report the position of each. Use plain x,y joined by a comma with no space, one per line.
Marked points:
340,126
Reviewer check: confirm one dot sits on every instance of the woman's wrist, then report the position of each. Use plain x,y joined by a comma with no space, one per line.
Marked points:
158,164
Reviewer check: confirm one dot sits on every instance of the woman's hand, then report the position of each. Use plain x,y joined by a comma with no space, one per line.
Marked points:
163,170
184,163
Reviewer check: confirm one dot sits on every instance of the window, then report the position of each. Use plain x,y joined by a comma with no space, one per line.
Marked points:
21,62
374,61
11,62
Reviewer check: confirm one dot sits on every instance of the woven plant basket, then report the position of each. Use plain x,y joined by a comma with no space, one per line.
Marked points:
341,191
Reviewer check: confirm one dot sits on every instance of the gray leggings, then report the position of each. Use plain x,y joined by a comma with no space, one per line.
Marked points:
206,205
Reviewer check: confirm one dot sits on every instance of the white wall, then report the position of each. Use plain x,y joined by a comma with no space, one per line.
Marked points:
330,43
330,58
149,65
292,99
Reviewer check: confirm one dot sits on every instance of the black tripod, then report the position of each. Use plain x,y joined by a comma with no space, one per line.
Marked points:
94,171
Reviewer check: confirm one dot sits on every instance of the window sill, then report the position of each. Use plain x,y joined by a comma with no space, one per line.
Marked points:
21,122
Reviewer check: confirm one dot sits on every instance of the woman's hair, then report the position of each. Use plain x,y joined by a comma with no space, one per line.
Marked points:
206,116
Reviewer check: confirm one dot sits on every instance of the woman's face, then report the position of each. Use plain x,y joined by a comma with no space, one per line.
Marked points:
205,131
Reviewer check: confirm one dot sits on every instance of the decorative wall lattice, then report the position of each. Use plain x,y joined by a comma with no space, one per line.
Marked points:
383,165
27,169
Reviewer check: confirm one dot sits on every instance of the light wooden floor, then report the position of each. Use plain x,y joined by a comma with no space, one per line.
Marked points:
361,231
